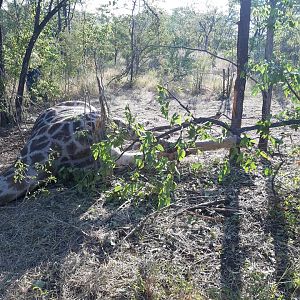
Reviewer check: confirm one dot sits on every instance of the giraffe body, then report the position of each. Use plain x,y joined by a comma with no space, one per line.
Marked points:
61,136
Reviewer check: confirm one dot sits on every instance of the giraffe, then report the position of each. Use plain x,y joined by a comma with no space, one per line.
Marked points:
63,134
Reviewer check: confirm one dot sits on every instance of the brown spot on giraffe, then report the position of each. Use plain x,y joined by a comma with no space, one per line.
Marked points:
71,148
38,157
53,128
37,144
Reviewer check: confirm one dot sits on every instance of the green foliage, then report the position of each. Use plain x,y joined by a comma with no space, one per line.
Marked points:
163,101
283,68
20,171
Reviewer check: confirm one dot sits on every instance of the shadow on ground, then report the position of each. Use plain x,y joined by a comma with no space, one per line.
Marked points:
38,232
278,228
233,255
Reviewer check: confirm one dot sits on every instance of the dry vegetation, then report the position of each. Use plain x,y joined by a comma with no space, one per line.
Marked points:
229,241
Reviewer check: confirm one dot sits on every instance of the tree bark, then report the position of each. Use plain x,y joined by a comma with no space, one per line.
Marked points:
3,105
267,93
132,43
242,60
38,27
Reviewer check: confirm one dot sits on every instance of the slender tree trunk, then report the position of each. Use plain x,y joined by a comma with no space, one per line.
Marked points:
115,56
59,21
38,27
3,105
22,77
242,60
267,93
132,43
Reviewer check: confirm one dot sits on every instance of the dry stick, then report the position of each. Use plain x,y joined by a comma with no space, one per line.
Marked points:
114,213
155,213
201,205
180,103
274,176
70,225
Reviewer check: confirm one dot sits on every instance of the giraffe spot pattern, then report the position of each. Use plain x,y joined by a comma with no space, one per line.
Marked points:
68,129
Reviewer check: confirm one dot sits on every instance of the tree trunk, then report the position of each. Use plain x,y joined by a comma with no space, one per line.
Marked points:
267,93
59,21
22,77
38,27
242,60
3,114
132,43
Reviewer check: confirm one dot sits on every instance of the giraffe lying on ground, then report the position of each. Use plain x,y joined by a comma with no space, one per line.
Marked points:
66,132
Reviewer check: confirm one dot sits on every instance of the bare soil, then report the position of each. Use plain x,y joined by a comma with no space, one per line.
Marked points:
240,244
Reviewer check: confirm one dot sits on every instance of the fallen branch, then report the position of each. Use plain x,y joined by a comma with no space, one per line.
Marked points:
272,125
211,145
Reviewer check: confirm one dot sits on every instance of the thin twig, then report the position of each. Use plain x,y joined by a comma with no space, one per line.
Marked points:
205,51
180,103
201,205
291,89
195,49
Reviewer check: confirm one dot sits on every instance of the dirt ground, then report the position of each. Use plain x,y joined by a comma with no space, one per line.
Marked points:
238,245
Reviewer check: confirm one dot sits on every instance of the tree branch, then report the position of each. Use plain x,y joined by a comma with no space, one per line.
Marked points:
291,89
195,49
205,51
51,13
272,125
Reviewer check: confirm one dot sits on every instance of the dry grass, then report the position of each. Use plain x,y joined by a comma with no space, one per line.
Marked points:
68,245
148,81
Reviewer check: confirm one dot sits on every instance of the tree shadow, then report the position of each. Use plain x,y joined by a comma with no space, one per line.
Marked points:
280,98
225,106
37,237
39,232
233,255
278,228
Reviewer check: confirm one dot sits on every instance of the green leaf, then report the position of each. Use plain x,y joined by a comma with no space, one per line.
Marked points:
117,188
160,148
176,119
267,172
264,155
181,153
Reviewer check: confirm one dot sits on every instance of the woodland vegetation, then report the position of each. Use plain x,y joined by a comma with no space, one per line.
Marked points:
225,226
